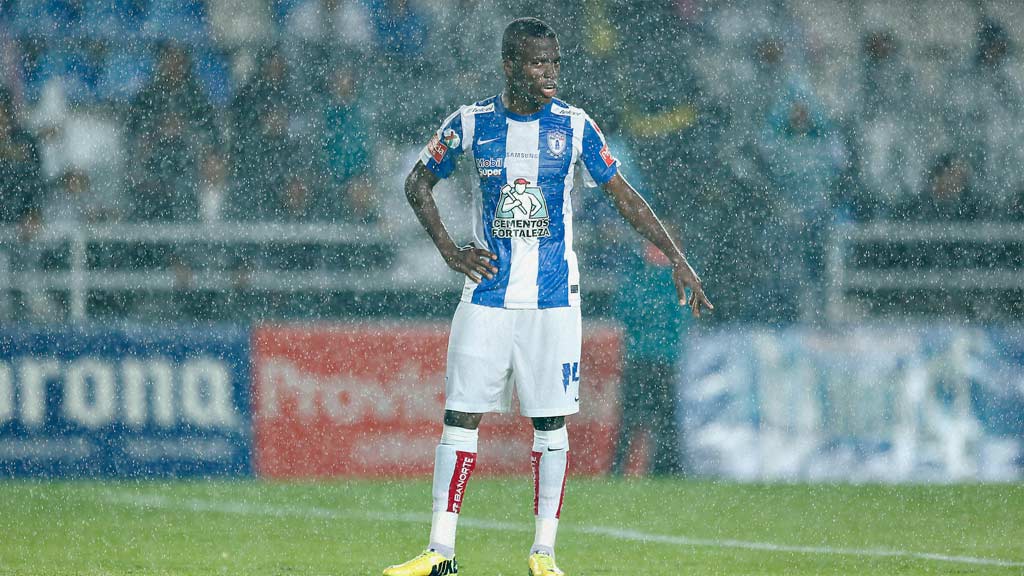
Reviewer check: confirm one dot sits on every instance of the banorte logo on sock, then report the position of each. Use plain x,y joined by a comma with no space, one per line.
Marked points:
463,470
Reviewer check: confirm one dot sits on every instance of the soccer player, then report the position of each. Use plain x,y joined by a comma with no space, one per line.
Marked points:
519,319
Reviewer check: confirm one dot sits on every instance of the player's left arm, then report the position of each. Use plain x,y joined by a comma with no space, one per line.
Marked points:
632,206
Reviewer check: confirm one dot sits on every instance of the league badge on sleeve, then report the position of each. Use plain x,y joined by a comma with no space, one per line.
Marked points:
450,138
556,143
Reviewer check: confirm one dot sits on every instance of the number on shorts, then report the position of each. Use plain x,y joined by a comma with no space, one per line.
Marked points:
570,370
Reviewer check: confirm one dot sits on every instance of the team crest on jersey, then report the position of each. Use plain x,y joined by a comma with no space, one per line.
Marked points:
556,142
451,138
522,212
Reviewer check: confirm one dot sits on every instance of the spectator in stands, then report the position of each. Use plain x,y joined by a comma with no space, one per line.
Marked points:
767,80
72,202
1016,208
739,205
402,35
765,72
605,239
342,23
29,256
772,78
263,153
886,83
401,29
802,158
85,70
667,117
986,115
165,189
346,147
269,85
20,181
887,132
949,195
37,64
212,187
471,30
362,202
21,192
737,218
174,88
236,23
297,202
264,161
171,121
653,324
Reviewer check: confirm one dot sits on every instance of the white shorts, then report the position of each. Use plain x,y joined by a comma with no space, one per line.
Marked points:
492,349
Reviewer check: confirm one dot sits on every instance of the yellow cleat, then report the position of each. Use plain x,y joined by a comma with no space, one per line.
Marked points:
426,564
543,565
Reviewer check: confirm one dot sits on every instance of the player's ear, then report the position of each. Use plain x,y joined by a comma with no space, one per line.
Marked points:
509,67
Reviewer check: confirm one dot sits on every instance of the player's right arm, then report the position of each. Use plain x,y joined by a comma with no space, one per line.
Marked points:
437,160
469,260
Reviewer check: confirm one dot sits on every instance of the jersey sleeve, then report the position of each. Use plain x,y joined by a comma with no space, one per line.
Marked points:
444,147
597,158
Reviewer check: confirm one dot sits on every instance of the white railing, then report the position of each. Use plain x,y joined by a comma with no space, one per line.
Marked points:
78,279
962,274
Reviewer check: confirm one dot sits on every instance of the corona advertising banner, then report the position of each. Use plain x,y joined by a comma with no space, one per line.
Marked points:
124,402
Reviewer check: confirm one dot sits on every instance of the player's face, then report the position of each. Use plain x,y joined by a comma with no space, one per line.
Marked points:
533,76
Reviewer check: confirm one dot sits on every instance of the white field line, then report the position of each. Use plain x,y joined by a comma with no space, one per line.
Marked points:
156,501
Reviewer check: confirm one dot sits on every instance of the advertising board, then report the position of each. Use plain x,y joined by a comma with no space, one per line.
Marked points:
124,402
367,400
871,403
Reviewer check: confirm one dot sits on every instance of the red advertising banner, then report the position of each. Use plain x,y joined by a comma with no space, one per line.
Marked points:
368,399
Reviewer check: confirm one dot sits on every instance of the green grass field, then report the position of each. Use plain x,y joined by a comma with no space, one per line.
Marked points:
608,527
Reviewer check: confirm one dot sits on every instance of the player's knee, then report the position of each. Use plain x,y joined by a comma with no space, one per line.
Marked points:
462,419
460,437
549,423
551,440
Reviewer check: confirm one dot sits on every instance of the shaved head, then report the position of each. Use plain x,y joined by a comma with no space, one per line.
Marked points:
518,31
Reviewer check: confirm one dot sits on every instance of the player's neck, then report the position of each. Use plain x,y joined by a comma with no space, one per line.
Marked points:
519,103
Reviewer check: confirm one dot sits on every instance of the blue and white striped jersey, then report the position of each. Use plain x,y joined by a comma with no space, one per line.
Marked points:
523,213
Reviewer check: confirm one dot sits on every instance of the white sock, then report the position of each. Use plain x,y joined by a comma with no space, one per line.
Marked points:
454,460
550,460
544,537
442,533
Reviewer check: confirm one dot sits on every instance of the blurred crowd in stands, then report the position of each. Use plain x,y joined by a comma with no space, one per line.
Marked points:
754,126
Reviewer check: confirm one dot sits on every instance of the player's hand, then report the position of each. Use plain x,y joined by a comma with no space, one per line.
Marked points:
472,261
684,277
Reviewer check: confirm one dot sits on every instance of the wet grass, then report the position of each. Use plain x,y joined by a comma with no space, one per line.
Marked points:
608,527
